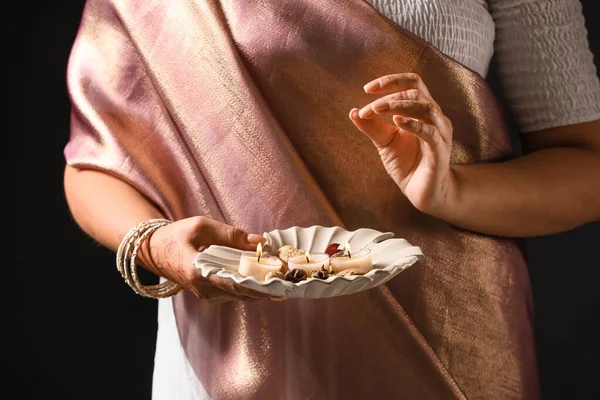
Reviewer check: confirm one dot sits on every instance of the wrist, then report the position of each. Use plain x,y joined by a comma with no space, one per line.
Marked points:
450,203
127,260
147,252
147,255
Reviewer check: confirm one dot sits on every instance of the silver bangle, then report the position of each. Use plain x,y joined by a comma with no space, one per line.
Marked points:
127,266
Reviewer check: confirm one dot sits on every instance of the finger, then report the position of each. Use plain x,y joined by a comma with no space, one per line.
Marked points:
415,109
378,131
211,232
426,132
396,83
411,94
256,239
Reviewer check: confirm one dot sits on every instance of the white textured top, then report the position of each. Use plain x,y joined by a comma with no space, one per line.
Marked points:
541,47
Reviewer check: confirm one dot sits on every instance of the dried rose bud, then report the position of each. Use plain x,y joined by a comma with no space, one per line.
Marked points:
295,275
332,249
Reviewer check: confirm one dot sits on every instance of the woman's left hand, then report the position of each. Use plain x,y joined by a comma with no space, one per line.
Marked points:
416,148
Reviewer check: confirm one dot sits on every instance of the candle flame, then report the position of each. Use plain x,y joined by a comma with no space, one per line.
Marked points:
259,251
307,255
347,248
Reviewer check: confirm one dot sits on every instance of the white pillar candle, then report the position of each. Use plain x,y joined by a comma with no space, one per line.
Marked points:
258,264
359,259
309,262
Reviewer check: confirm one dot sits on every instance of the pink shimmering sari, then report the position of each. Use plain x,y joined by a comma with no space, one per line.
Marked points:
238,110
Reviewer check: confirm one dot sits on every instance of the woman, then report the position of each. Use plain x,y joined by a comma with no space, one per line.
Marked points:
199,114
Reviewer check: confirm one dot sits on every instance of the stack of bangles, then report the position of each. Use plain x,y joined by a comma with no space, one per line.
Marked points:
126,261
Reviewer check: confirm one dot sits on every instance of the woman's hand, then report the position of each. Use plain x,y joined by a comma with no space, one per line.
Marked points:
173,248
415,147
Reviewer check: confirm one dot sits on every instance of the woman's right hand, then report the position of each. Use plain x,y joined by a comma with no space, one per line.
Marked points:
171,251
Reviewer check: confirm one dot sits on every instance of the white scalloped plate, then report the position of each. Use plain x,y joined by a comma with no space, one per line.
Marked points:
390,256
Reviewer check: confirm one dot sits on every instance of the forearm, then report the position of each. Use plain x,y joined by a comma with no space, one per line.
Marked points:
547,191
105,207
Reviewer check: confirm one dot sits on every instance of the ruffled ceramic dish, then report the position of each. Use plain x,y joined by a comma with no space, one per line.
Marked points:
390,256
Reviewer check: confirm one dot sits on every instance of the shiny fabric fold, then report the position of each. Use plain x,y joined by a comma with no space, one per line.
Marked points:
238,110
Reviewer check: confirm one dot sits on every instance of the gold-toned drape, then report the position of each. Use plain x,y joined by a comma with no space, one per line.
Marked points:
238,110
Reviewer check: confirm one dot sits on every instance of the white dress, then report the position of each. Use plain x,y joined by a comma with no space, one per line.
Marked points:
546,70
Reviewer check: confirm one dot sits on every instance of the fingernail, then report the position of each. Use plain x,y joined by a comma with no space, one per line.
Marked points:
400,120
354,113
372,86
381,106
365,112
275,298
255,239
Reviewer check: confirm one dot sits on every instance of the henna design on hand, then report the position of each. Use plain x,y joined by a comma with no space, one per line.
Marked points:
173,255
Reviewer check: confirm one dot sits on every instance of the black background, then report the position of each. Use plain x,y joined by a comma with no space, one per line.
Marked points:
76,331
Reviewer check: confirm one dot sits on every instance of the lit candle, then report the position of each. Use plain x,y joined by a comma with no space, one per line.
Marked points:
258,264
346,259
309,262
